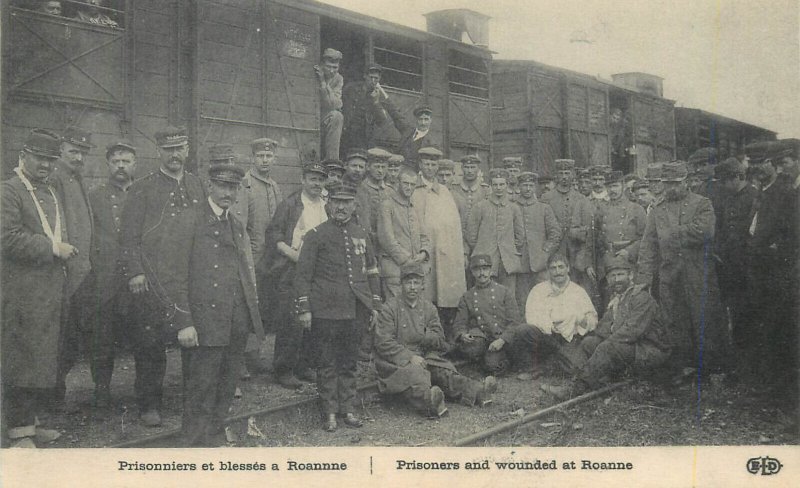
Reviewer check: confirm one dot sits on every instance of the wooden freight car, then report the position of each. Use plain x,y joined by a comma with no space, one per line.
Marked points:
544,113
229,70
697,128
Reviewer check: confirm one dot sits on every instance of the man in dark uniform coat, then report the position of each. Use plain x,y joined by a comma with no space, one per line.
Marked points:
223,307
678,241
338,291
632,333
362,110
108,318
409,343
157,222
413,137
67,181
35,252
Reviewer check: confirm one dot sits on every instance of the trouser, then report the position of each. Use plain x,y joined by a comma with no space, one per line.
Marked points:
453,384
291,340
331,134
336,345
73,324
390,285
209,382
507,279
497,363
603,359
20,406
107,322
540,346
591,286
151,365
525,283
736,292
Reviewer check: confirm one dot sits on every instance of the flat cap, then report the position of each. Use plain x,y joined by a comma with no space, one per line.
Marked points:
172,137
333,165
471,159
221,152
527,177
422,109
378,155
785,148
703,171
730,168
704,155
758,151
583,173
446,164
263,144
639,184
674,171
430,153
226,172
653,172
411,269
614,177
43,143
498,173
512,162
341,191
331,54
565,164
396,160
600,170
372,68
314,167
77,136
120,144
356,153
545,179
480,260
618,262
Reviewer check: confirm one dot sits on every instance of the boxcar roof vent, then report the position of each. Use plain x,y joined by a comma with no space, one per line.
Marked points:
641,82
460,24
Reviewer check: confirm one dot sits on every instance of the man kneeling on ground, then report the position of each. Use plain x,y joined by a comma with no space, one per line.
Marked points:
409,341
631,334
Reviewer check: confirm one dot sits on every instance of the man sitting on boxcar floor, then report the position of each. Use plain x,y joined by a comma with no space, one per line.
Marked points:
485,325
224,310
330,94
362,109
409,342
631,334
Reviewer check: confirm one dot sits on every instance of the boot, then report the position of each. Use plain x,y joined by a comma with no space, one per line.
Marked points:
437,406
102,397
351,420
151,417
289,380
486,395
330,423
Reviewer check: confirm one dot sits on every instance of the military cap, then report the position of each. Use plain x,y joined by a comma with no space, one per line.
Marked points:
422,109
639,184
43,143
172,137
653,172
565,164
512,162
118,144
341,191
758,151
356,153
396,160
331,54
447,164
704,171
314,167
430,153
545,179
221,153
480,260
374,67
730,168
263,144
583,174
785,148
333,165
704,155
225,172
527,177
614,177
378,155
674,171
600,170
411,269
77,136
471,159
498,173
618,262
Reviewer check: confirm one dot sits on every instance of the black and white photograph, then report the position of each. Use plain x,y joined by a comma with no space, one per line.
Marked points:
366,224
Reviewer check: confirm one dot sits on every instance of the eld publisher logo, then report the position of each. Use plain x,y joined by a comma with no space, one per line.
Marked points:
764,466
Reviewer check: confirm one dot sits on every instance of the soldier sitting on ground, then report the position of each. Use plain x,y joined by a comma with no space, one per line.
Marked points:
409,343
631,334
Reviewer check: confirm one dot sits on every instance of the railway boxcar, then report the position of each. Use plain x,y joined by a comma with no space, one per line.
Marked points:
697,128
544,113
230,71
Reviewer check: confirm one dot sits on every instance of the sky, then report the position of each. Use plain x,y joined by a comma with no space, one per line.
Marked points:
737,58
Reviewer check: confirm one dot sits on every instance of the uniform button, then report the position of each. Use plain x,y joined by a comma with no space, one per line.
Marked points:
215,285
172,214
171,204
172,193
146,327
404,325
213,305
216,245
186,204
216,232
216,266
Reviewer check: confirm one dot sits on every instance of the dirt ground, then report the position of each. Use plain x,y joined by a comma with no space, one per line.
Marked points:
641,414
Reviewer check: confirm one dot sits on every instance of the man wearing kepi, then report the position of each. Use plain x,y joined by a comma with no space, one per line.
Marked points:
678,241
109,320
632,333
35,251
224,311
409,343
337,288
157,222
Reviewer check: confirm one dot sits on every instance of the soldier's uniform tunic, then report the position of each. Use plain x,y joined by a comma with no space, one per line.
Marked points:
542,238
620,225
575,215
495,228
336,279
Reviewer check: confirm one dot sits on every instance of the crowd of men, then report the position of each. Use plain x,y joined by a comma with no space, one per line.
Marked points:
388,259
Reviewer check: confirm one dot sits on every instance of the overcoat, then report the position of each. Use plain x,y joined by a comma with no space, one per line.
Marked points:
495,228
542,234
574,213
400,235
107,202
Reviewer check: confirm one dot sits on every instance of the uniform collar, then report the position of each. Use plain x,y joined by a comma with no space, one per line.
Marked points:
220,213
500,202
256,175
474,187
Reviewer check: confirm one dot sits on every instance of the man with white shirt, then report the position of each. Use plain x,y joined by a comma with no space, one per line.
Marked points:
415,136
299,213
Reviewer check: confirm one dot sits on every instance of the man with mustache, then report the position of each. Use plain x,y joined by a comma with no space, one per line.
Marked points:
678,242
67,181
157,221
35,252
338,294
413,136
108,320
631,334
